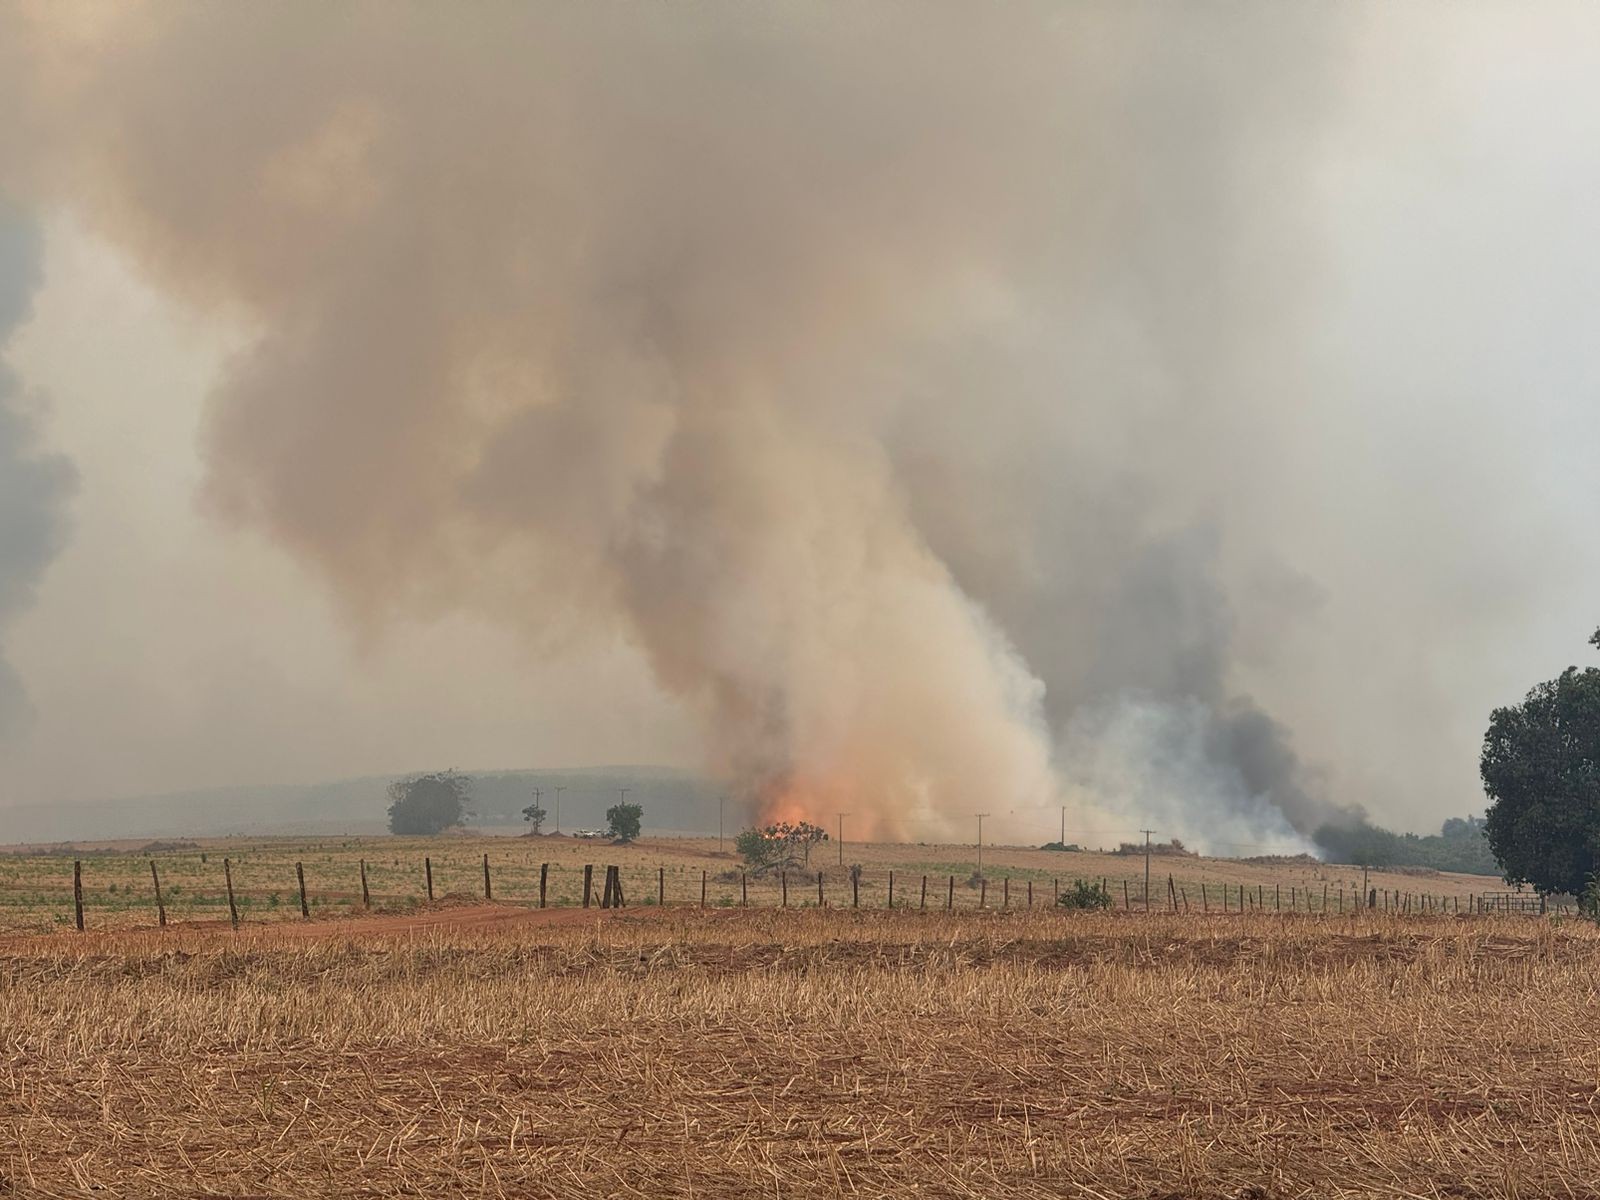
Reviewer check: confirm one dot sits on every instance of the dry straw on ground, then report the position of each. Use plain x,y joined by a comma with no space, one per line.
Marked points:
804,1054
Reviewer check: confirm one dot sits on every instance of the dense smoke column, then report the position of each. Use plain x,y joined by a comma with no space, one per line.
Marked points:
34,486
852,368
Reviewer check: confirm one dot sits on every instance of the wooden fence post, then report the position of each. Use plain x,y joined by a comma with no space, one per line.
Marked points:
661,886
366,896
855,887
544,880
161,909
822,901
891,889
1172,894
1277,897
1030,893
783,882
983,892
924,893
488,890
1005,891
1127,904
77,893
588,882
950,896
300,874
744,890
427,871
702,887
1055,892
233,909
1205,901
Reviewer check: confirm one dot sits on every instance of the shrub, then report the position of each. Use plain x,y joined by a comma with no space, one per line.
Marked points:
1085,896
1172,849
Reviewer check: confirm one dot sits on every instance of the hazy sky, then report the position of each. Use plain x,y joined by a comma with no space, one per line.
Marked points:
168,651
1185,414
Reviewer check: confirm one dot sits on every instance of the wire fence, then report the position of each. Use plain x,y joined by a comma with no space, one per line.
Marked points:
607,886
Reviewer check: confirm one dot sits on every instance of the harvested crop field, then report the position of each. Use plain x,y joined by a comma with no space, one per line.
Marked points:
800,1053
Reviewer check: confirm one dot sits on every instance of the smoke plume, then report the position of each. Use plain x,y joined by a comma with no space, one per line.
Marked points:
915,386
34,486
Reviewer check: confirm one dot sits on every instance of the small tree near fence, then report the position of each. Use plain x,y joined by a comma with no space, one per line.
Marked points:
534,815
780,846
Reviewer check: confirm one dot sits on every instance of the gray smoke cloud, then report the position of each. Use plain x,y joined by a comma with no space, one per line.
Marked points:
937,396
34,486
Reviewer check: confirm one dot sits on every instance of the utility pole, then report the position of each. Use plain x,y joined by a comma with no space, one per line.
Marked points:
720,800
1063,826
559,790
841,817
980,817
1147,833
536,795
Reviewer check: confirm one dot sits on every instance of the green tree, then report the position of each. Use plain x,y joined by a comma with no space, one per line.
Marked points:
622,821
785,844
429,803
535,816
1541,768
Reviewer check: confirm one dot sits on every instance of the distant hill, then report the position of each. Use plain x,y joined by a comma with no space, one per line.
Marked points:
674,800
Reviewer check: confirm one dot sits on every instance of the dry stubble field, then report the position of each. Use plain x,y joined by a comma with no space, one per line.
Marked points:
804,1053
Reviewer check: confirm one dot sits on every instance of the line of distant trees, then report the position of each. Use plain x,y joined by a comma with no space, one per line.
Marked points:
436,801
1460,845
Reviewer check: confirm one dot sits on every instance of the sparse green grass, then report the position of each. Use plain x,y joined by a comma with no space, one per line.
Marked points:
36,889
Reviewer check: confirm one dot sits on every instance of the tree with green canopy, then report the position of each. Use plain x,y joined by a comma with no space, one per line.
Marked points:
1541,769
429,803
